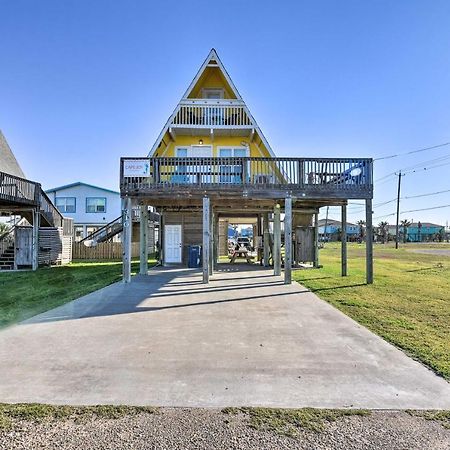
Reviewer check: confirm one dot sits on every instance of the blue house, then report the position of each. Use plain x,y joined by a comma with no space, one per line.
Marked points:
332,228
423,232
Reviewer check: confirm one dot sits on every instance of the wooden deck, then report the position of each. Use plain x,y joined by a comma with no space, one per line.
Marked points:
190,179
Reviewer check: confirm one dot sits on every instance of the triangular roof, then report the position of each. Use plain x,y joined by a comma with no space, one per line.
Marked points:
79,183
8,162
212,60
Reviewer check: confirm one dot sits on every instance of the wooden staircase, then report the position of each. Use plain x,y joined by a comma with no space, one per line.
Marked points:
7,258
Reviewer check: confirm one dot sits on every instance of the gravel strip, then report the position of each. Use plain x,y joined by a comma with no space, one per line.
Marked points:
181,428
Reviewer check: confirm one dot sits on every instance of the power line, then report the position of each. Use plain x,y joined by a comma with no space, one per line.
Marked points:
414,210
412,151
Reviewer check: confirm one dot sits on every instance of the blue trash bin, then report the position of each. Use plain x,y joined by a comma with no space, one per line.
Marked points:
194,256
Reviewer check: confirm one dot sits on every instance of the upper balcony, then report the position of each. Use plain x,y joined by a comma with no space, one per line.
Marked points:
191,178
220,117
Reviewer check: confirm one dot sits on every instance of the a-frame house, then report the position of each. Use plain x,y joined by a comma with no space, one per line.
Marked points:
211,164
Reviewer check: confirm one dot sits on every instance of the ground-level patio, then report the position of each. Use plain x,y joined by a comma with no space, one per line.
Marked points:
244,339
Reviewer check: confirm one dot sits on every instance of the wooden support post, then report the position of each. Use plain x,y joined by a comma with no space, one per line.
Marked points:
34,240
143,241
344,240
288,240
161,236
126,240
206,239
369,242
216,240
316,240
276,252
211,240
266,239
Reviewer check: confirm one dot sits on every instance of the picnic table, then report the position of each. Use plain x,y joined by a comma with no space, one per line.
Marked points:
243,253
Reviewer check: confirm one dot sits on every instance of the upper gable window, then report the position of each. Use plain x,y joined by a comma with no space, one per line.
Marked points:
212,93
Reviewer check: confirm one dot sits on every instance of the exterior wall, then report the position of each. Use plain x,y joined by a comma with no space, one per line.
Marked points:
212,78
257,149
80,216
191,228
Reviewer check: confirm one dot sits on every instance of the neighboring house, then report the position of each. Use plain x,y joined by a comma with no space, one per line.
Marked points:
90,207
424,231
40,235
332,228
211,164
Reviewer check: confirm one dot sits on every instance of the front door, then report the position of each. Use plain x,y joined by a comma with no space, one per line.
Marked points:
172,243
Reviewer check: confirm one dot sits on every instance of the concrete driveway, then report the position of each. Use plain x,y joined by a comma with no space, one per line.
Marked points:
245,339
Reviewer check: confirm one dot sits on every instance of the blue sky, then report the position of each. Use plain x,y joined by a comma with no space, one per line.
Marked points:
85,82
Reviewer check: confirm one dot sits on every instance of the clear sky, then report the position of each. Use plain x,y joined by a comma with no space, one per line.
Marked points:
84,82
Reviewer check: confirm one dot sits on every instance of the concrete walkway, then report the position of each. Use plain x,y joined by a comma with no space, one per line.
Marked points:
245,339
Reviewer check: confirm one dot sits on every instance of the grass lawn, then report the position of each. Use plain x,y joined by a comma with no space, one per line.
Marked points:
25,294
408,304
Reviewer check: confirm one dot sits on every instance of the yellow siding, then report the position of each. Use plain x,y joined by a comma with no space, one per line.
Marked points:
257,148
212,78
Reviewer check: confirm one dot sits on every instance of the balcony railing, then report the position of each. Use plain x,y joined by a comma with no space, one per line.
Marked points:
18,190
211,115
313,177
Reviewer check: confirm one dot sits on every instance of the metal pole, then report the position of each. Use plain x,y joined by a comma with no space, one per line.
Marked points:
344,240
398,209
288,240
369,242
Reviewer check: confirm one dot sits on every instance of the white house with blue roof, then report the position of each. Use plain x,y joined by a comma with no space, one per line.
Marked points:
91,207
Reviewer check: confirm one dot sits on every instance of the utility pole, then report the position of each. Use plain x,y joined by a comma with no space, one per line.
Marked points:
398,208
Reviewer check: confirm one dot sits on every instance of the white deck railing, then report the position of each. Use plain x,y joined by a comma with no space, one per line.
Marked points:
209,114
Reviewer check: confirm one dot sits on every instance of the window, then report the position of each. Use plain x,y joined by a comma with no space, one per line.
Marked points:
212,93
65,204
95,204
232,173
78,232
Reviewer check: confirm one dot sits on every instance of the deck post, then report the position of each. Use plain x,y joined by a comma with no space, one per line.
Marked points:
126,239
316,240
344,240
369,242
35,240
288,240
216,241
276,252
266,239
143,240
206,239
161,236
211,241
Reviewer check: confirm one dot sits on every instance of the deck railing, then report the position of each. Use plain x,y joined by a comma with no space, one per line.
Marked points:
18,190
303,175
50,211
215,115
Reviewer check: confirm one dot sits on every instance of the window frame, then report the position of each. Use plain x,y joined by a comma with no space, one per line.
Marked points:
95,212
65,204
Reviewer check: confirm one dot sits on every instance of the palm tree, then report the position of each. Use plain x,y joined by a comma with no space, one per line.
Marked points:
4,228
405,224
383,229
361,224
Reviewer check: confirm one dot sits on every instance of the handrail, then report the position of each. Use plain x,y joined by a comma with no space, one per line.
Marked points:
308,175
49,210
18,190
104,227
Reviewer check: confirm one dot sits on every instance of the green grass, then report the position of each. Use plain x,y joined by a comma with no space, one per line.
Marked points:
288,422
25,294
38,413
443,417
408,304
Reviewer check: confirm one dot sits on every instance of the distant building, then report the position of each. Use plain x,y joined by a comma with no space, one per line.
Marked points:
332,229
90,207
424,231
418,232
